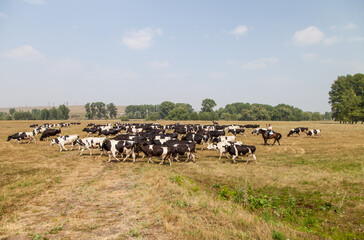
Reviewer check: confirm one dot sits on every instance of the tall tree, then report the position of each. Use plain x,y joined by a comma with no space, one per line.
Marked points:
112,110
347,98
164,108
208,105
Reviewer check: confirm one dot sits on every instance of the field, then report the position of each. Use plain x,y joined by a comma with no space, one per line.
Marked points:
307,188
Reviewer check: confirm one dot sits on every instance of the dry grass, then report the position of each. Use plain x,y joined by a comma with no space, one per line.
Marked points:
45,193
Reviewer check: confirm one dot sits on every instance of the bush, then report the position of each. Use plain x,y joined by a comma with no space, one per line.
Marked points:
124,118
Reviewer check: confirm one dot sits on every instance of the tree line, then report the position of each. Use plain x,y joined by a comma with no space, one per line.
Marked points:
100,110
60,113
347,98
236,111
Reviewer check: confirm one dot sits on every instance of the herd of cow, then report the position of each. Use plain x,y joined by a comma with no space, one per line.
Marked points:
168,142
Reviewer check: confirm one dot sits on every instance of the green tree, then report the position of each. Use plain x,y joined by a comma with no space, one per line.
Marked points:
88,114
164,108
64,111
53,113
178,113
11,111
347,98
44,114
112,110
208,105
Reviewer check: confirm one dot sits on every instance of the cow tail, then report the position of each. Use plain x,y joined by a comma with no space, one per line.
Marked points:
279,136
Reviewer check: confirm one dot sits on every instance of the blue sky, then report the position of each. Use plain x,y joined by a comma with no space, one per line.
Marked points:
146,52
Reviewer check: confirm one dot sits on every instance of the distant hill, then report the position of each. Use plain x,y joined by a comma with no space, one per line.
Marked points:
76,112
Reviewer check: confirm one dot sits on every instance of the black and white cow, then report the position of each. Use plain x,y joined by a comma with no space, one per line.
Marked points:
237,131
23,136
223,139
298,131
109,132
64,140
258,130
221,147
92,130
49,132
314,132
113,147
180,148
156,151
197,138
236,150
89,143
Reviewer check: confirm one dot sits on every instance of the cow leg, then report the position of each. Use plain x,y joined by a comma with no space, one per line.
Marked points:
82,151
254,157
64,147
233,158
150,160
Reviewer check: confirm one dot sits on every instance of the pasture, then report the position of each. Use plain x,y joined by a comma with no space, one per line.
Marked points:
307,188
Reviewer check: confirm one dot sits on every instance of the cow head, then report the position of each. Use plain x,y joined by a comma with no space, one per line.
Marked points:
8,138
54,141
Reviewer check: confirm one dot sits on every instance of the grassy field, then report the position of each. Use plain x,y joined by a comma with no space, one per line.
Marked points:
307,188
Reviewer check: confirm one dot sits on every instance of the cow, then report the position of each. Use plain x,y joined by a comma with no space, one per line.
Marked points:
236,150
237,131
221,147
223,139
197,138
314,132
33,125
64,140
92,130
113,147
23,136
298,131
181,148
156,150
49,133
109,132
88,143
258,130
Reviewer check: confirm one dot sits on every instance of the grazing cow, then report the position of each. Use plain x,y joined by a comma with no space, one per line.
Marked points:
23,136
251,126
64,140
235,150
88,143
298,131
49,133
237,131
114,146
221,147
314,132
156,150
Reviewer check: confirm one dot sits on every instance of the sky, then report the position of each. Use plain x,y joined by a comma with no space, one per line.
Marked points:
146,52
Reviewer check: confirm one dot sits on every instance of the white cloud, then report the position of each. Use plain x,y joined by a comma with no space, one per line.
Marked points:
309,57
161,64
308,36
140,39
329,41
239,31
24,53
356,39
217,75
260,63
35,2
66,65
3,15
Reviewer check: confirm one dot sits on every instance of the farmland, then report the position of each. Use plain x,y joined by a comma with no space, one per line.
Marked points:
307,188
